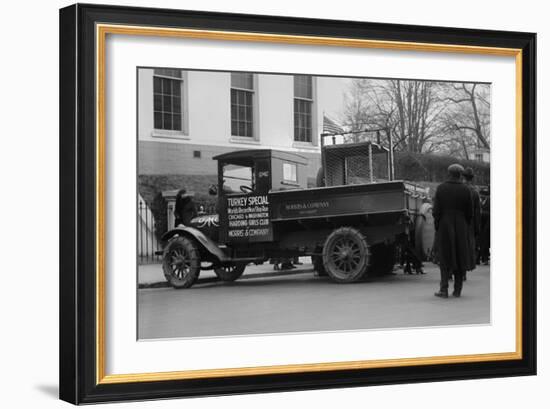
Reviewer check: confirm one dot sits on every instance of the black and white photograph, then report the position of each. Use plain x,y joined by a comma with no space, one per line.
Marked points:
280,203
244,204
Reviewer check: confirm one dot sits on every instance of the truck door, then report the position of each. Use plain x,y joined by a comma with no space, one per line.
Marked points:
244,216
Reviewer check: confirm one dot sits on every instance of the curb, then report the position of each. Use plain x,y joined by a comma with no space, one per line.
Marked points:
165,284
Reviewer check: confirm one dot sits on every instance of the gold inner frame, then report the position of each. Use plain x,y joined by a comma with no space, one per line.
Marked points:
102,30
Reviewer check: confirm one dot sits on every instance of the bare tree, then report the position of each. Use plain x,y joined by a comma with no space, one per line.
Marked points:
422,116
471,111
407,109
417,114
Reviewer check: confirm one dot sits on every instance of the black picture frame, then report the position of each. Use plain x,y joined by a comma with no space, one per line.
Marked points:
78,197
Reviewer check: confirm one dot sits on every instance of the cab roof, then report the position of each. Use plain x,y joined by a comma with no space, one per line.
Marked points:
248,155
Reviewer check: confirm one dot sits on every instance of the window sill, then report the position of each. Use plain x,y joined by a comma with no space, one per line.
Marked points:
244,140
305,145
159,133
289,183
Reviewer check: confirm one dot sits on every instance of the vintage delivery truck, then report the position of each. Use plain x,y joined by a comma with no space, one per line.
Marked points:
265,210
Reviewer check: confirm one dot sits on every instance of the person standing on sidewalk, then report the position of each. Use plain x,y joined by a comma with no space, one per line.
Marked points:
475,225
452,213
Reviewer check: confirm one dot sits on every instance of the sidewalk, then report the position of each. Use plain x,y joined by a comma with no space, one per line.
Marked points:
151,275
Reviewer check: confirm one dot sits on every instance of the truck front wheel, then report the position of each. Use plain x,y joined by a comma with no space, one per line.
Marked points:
346,255
181,262
230,273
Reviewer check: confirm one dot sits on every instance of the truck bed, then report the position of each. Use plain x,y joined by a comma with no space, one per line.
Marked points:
349,200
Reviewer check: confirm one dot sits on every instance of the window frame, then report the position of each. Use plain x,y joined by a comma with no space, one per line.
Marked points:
253,138
173,133
291,182
312,115
224,176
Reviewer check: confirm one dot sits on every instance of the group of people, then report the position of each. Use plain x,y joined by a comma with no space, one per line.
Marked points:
457,219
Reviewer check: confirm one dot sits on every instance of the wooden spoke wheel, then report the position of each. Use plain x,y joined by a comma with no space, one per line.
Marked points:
346,255
181,262
230,273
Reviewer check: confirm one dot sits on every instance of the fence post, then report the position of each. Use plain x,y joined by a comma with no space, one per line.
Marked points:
170,197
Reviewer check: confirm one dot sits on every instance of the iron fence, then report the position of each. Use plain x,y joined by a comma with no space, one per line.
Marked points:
205,208
147,241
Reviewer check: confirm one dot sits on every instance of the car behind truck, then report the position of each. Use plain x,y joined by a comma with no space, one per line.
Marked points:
265,211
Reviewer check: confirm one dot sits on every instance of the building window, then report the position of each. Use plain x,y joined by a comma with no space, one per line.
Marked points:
168,107
289,173
303,104
242,104
479,157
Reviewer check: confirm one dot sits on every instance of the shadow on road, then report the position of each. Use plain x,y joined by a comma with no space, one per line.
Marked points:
291,277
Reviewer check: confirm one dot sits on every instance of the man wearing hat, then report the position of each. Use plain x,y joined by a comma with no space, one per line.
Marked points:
475,225
452,213
185,208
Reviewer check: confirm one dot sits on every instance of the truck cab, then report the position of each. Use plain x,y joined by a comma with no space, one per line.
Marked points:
245,179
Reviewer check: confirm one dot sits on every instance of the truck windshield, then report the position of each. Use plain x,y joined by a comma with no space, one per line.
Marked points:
238,179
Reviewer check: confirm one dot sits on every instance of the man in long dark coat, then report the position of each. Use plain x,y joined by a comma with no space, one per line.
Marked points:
452,213
475,225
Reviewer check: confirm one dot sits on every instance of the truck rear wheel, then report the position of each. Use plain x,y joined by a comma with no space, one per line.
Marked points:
346,255
181,262
230,273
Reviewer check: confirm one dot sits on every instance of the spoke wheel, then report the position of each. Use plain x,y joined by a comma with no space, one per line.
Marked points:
230,273
181,262
346,255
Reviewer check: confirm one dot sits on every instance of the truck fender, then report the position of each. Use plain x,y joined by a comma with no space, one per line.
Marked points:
199,236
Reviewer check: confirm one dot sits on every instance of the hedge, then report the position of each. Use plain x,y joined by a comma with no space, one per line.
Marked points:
433,168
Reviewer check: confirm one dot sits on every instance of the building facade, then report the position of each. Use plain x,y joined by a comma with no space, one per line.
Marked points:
482,155
187,117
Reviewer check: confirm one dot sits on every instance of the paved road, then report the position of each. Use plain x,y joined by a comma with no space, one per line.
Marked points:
301,302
